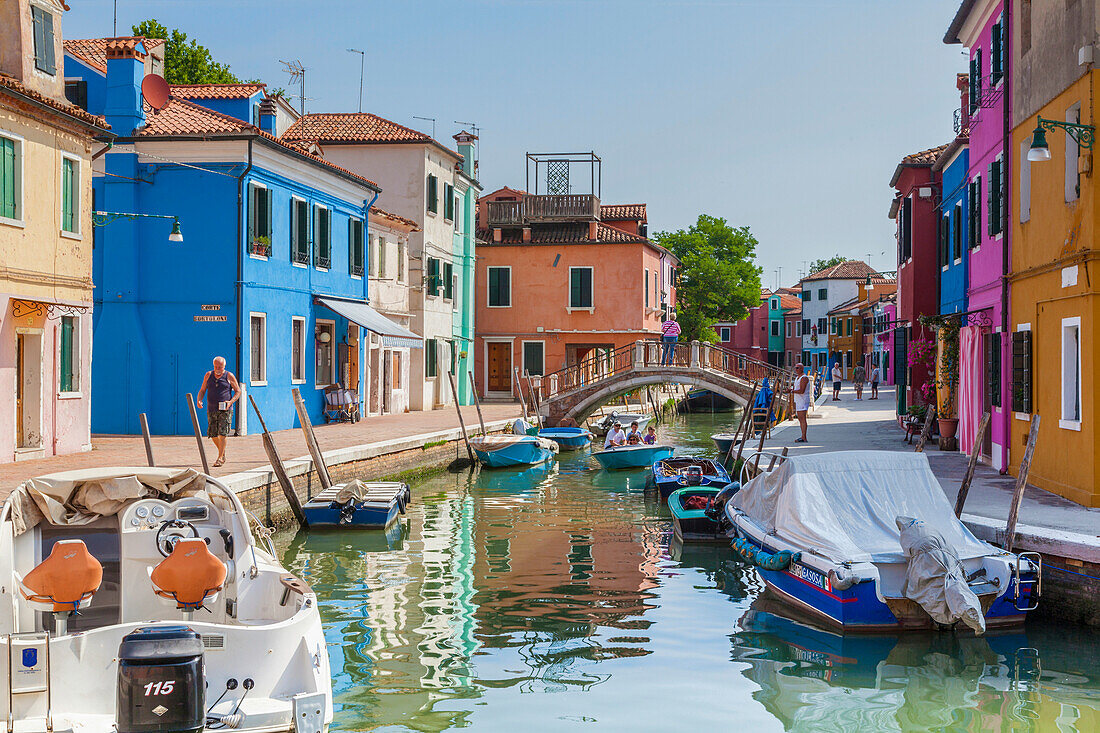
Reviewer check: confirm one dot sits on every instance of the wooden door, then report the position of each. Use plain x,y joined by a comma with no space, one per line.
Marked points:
352,381
19,391
500,367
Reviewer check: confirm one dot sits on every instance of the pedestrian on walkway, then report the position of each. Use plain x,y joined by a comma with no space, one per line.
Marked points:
838,376
859,376
874,382
670,332
802,398
224,391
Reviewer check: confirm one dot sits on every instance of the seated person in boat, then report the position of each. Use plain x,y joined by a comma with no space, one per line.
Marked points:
634,437
650,436
615,436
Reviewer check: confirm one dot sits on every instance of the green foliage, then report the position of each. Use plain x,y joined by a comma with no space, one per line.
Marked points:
719,279
433,444
819,265
185,62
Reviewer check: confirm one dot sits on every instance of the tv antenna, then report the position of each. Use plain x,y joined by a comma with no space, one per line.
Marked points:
297,74
427,119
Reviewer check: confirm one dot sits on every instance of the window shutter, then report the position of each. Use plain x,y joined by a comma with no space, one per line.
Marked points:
265,215
65,376
49,63
7,177
1021,371
995,53
67,219
993,370
973,84
1000,183
252,191
989,200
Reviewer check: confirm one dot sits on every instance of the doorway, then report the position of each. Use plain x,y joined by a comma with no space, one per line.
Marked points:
28,390
387,381
498,366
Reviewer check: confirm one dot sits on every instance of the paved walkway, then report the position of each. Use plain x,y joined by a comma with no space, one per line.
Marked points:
247,452
870,424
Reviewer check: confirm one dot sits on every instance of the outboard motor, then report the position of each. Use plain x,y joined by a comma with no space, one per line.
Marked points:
346,510
161,681
693,475
716,506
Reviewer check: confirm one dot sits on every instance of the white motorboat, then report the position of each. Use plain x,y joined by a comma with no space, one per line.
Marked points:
600,425
181,621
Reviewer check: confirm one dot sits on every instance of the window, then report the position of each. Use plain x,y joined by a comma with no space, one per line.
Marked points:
355,247
975,220
11,178
433,194
68,367
806,296
297,349
534,357
996,52
76,91
905,228
957,231
832,325
580,287
431,356
775,327
822,294
798,328
299,231
500,287
322,248
724,334
448,202
259,220
822,325
1025,26
944,241
448,280
849,322
1071,373
975,80
789,363
647,288
257,348
1073,156
70,195
325,345
995,196
43,41
400,261
1025,180
1021,371
775,304
993,368
806,326
787,330
432,284
381,256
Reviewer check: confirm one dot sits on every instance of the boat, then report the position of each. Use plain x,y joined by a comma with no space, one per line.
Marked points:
704,400
367,505
567,438
723,441
670,474
600,425
502,451
696,512
866,540
632,456
184,620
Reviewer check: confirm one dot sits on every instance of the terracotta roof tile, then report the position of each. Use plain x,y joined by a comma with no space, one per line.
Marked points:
848,270
924,157
352,127
216,91
93,51
182,118
8,82
845,306
567,233
623,212
790,301
394,218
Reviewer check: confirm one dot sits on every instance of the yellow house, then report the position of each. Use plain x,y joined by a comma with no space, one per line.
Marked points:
1055,261
46,151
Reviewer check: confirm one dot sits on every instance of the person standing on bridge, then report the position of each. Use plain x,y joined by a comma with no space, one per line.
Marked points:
803,396
670,333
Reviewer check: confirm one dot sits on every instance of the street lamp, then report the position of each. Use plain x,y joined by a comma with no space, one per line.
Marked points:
1040,151
362,61
103,218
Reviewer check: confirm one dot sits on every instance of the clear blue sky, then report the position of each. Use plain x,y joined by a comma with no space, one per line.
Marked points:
788,116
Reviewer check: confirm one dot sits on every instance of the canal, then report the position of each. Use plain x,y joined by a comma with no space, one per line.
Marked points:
556,598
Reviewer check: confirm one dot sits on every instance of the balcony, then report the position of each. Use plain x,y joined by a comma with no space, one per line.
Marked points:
541,209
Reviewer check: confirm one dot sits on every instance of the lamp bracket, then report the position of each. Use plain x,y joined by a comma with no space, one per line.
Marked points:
1083,134
103,218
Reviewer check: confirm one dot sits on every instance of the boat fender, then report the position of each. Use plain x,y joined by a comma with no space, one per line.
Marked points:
842,580
779,561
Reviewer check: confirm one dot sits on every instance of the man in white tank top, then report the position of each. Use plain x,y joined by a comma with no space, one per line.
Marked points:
803,396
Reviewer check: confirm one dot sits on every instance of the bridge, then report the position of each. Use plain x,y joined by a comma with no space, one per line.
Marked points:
578,390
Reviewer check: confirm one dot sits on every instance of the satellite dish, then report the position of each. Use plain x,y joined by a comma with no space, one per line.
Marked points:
155,91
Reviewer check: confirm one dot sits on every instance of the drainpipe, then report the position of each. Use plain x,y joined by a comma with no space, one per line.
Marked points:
366,251
1006,264
240,263
364,338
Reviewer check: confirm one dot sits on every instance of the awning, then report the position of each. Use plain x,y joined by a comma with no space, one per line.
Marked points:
359,312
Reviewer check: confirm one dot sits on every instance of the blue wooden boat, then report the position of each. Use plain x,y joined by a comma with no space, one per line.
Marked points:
358,504
723,441
843,523
632,456
504,451
696,512
567,438
670,474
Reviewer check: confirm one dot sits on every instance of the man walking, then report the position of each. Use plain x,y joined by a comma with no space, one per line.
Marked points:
838,376
859,376
874,382
802,398
224,391
670,332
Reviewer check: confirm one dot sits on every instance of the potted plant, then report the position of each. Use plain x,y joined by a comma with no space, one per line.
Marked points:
946,374
261,246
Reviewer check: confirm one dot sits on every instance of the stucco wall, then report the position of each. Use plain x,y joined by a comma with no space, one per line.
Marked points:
17,46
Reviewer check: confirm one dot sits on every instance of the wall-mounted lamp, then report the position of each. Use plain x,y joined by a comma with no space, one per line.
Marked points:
103,218
324,336
1040,151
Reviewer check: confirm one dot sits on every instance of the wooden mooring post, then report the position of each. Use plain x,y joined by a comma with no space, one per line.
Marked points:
519,387
311,440
461,422
280,470
746,418
1021,484
198,432
741,423
926,431
968,477
477,403
147,438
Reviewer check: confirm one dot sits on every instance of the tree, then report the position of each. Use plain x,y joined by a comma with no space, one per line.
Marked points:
719,279
185,62
819,265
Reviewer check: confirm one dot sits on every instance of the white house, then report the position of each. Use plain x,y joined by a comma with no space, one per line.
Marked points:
822,292
389,289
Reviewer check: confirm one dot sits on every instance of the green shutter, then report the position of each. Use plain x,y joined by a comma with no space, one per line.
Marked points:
433,198
7,177
430,351
1001,195
68,220
448,280
996,57
252,233
50,65
66,371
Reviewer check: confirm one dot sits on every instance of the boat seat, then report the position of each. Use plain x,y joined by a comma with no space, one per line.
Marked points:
65,580
190,575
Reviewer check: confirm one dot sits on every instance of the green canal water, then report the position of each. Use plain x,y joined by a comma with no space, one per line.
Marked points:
556,598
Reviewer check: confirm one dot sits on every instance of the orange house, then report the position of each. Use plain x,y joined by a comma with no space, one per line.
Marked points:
561,278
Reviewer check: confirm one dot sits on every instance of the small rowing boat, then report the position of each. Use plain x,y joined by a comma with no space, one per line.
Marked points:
502,451
366,505
723,441
670,474
632,456
567,438
697,512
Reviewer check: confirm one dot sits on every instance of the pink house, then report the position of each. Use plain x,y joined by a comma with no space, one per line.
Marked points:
749,336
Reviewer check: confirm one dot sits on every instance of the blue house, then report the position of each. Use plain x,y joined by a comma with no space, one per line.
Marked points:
953,164
270,274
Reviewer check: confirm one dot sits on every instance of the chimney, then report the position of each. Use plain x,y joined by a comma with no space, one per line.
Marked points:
466,142
267,115
527,234
125,72
962,83
593,230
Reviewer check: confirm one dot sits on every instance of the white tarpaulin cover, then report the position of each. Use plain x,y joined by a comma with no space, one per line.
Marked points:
80,497
935,578
844,505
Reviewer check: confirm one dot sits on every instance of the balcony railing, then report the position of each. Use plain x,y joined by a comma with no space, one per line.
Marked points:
544,208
